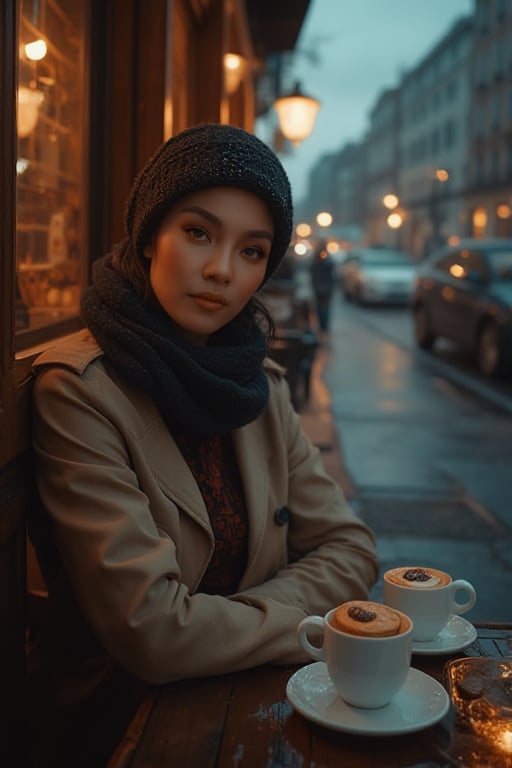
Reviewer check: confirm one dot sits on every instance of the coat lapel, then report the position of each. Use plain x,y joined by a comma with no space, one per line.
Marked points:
250,447
176,480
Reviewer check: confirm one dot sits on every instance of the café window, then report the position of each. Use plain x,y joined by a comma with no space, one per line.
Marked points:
51,163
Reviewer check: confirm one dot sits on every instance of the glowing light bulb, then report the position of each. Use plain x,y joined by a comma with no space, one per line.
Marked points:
36,50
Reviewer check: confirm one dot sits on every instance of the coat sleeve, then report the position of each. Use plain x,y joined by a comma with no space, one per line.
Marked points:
331,551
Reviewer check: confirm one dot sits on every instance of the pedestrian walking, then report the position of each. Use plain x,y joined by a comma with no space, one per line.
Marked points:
322,280
194,522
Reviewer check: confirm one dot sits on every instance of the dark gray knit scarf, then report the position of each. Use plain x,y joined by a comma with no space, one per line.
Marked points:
205,390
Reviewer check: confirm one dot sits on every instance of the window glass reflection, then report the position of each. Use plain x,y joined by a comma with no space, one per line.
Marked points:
50,164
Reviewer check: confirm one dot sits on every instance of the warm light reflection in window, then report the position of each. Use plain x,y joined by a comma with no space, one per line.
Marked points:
453,240
479,221
36,51
51,162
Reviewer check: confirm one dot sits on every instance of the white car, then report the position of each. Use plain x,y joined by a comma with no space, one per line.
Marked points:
377,276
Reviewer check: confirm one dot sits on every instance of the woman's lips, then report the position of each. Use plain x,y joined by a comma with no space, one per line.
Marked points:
209,301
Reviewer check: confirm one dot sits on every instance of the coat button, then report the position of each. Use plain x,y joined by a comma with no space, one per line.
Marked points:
282,515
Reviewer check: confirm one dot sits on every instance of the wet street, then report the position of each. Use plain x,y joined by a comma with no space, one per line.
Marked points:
427,447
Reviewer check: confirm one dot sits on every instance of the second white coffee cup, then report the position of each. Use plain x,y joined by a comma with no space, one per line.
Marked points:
367,672
429,608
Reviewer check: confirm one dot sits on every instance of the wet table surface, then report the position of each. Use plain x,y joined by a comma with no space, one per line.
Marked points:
245,719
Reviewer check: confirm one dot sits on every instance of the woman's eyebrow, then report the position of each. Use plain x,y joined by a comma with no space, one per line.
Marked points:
203,212
215,220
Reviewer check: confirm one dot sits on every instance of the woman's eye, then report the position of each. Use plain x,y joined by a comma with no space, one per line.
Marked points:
255,253
197,233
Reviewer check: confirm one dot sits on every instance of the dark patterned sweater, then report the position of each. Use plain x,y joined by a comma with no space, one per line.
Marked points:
213,463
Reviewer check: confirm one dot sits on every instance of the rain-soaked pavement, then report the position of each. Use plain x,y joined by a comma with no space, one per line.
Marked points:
425,461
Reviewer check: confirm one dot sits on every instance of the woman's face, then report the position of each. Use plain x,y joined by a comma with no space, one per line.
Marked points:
209,257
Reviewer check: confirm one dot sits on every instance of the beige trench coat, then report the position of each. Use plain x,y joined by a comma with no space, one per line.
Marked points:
135,537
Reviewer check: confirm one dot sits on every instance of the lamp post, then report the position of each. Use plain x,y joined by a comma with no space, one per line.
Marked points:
297,114
439,178
395,217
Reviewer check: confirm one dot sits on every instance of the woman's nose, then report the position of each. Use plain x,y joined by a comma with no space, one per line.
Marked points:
219,266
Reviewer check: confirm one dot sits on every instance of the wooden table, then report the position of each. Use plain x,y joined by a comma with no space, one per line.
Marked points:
243,720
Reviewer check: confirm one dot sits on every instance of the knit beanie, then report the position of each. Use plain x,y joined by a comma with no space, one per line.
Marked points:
205,156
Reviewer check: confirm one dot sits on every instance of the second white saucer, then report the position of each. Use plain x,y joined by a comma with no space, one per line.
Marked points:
456,635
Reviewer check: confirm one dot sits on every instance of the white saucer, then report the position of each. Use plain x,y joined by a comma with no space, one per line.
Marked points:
421,702
457,634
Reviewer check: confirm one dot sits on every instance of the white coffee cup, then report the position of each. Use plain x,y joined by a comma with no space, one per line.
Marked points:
367,672
429,602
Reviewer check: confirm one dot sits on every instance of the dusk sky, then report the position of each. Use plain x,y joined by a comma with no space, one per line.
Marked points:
361,48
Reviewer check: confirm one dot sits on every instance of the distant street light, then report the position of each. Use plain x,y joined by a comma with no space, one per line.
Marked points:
303,230
390,201
300,249
324,219
396,217
395,220
442,175
439,178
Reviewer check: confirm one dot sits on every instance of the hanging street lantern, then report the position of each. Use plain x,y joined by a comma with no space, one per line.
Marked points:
297,114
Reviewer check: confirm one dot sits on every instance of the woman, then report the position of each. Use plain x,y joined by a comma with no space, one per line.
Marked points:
194,523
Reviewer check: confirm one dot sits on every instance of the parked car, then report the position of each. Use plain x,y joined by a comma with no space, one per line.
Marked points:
377,275
464,293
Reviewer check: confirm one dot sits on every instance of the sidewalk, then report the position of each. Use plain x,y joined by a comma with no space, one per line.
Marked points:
405,449
317,420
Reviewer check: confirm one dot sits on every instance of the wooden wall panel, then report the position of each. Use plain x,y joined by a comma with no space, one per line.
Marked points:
122,126
137,85
150,83
183,65
207,48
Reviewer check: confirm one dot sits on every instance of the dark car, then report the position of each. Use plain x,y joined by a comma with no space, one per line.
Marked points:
464,293
377,275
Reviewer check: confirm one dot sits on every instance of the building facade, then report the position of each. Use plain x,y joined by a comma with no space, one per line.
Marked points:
489,172
442,140
433,134
382,161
